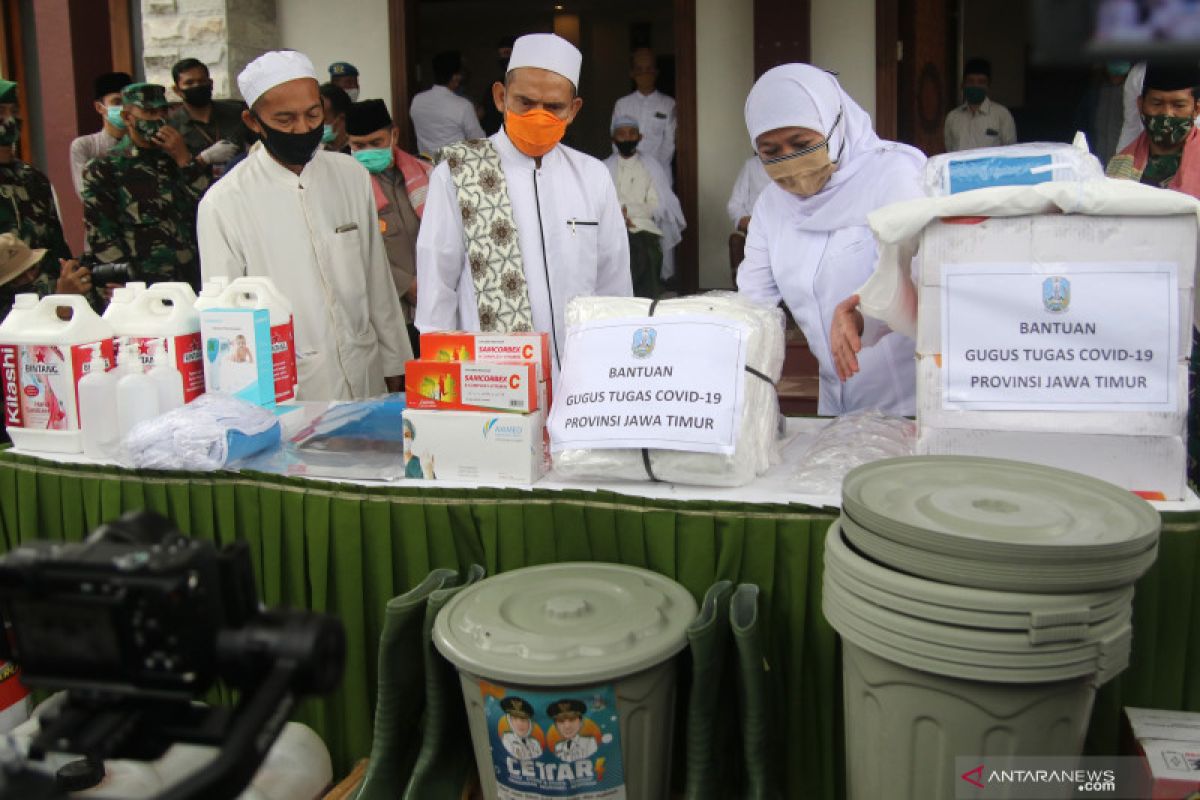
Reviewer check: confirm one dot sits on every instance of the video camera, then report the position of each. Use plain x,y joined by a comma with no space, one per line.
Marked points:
136,623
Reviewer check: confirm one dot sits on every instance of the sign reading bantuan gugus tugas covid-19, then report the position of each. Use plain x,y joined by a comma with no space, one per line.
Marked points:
1030,337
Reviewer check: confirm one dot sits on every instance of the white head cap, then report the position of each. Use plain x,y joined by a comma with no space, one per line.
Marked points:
271,69
547,51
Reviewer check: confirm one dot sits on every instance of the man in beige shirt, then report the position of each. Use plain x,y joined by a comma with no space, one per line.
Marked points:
979,121
93,145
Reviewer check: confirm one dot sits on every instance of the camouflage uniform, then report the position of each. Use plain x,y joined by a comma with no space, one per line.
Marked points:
139,206
27,208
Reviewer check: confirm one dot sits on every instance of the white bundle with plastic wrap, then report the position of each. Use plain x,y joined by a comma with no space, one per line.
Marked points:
1014,165
755,448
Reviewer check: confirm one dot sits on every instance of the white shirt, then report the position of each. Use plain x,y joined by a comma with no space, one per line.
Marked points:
990,126
84,149
1132,127
749,185
576,749
316,236
655,113
522,748
440,117
636,192
589,257
812,272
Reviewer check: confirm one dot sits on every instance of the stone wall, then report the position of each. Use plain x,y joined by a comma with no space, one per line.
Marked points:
224,34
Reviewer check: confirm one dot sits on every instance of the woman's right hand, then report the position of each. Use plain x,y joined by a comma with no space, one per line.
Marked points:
845,337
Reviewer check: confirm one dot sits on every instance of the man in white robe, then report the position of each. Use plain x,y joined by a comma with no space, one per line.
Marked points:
653,215
305,218
750,183
654,111
569,224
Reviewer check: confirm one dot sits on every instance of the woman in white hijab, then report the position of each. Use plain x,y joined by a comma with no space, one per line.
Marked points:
809,244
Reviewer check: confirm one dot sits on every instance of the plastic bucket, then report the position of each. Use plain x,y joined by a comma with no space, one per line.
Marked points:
568,675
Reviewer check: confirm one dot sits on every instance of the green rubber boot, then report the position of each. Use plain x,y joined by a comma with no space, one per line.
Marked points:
446,756
752,692
708,641
401,697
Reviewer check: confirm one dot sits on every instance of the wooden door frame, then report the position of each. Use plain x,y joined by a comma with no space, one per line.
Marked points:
402,30
12,66
887,67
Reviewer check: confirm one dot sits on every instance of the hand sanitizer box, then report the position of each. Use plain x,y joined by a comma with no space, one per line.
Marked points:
237,353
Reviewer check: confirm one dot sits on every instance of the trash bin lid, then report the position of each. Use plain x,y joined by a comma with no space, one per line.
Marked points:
988,509
565,624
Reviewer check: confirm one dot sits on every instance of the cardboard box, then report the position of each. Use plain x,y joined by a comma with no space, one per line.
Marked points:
1169,741
1153,466
237,353
492,347
1048,239
474,445
471,386
931,414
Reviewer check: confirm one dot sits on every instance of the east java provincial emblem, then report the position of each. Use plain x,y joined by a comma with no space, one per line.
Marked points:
1056,294
643,342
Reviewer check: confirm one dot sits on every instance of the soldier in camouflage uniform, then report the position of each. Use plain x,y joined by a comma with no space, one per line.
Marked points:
28,210
139,201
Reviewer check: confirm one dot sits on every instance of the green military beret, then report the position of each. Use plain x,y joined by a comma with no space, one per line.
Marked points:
8,91
144,95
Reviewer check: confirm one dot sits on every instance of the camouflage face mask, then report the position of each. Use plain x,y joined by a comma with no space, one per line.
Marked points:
1165,130
149,128
10,131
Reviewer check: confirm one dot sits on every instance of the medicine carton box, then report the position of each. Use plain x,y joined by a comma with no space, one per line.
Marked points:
474,446
1048,240
493,347
1169,744
471,386
237,353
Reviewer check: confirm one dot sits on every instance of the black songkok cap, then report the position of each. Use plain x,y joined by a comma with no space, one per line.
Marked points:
1170,77
366,117
111,83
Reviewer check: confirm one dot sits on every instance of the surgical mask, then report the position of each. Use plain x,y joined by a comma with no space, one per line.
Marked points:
375,159
149,128
10,131
626,148
198,96
1118,68
535,132
113,115
293,149
353,94
327,134
975,95
805,172
1167,131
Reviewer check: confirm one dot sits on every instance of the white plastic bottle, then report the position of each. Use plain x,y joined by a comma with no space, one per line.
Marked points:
137,397
167,381
165,316
98,408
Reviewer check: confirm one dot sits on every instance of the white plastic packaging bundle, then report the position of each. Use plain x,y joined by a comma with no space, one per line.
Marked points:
851,441
209,433
756,447
1014,165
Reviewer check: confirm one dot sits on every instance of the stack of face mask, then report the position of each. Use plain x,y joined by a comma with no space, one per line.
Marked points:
1014,165
756,447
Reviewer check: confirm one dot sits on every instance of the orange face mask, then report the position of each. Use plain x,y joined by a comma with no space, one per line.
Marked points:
536,132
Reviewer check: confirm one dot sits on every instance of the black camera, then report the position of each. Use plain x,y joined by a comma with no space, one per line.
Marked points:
104,274
138,621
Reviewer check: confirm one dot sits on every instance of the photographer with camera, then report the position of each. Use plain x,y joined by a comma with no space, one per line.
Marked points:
139,201
28,213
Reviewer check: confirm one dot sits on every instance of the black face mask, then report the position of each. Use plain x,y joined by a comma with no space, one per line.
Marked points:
626,148
294,149
198,96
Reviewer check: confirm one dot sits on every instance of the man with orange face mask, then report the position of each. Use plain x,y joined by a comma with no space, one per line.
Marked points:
517,225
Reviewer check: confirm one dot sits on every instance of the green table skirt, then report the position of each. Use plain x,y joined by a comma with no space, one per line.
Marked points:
348,549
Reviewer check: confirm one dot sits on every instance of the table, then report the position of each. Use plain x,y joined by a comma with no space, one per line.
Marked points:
347,549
